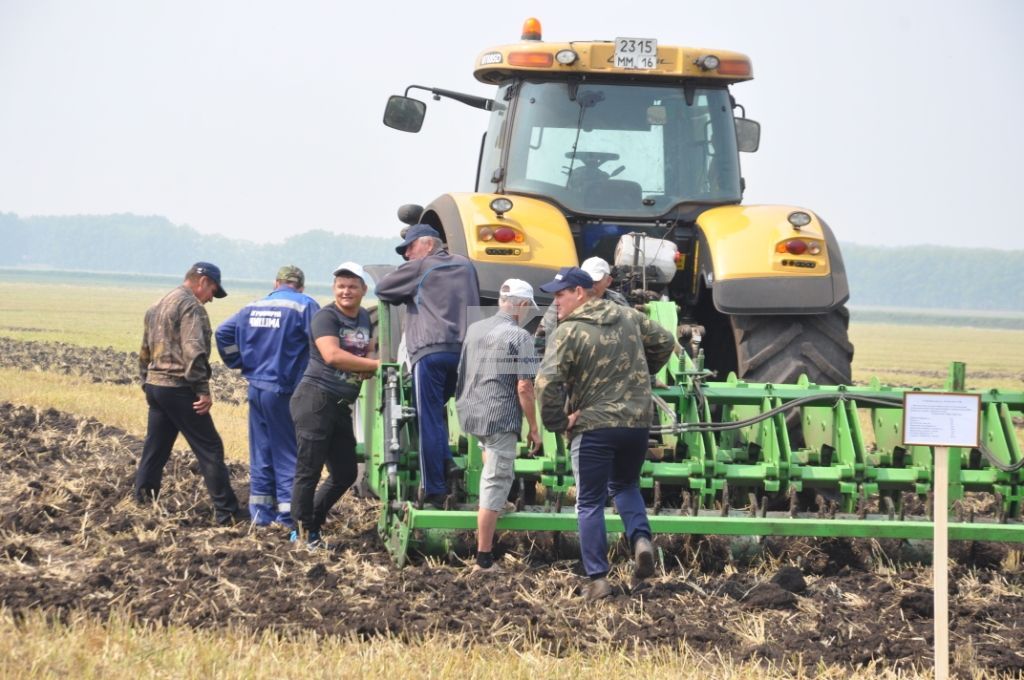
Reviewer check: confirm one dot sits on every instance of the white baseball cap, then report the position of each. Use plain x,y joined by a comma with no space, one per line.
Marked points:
352,268
520,289
596,267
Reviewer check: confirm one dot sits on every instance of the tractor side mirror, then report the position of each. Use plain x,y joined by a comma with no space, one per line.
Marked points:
404,113
748,135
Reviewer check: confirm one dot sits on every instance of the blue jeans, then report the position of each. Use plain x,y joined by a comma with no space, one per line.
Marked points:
434,377
607,462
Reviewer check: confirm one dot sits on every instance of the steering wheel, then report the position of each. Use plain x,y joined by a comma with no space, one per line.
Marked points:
594,158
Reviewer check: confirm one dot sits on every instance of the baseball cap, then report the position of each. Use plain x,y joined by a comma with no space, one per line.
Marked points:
352,268
212,272
520,289
596,267
291,274
568,277
415,231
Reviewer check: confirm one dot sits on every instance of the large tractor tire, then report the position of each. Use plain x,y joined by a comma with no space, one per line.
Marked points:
779,349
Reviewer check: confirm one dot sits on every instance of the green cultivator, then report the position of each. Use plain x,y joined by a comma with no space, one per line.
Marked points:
725,458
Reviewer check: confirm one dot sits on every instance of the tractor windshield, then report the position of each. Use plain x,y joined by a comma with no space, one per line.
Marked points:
614,149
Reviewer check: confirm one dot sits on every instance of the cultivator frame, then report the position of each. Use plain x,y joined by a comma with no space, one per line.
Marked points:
727,458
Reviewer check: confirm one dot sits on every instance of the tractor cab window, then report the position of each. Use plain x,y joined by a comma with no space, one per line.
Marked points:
622,149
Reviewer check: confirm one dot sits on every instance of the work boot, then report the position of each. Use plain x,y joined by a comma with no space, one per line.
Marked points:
240,516
643,553
597,589
434,500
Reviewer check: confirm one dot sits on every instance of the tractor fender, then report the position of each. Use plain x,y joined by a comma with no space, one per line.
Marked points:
740,262
547,241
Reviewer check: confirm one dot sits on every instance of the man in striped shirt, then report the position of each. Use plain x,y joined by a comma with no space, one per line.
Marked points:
495,390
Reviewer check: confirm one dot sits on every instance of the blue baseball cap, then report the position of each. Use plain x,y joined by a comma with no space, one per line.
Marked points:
415,231
211,271
568,277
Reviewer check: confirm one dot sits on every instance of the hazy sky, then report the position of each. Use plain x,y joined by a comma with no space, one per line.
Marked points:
258,120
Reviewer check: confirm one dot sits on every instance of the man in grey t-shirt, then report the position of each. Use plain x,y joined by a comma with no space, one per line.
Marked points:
495,389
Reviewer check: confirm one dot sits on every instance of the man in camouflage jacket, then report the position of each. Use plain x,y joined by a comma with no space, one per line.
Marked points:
174,362
594,385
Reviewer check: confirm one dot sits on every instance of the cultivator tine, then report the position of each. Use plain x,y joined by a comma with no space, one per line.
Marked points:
1000,508
657,498
753,503
685,508
903,507
931,506
819,500
890,507
862,505
793,506
725,500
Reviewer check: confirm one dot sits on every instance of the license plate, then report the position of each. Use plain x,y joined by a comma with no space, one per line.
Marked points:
636,53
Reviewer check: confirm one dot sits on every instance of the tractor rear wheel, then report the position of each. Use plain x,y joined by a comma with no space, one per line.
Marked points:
778,349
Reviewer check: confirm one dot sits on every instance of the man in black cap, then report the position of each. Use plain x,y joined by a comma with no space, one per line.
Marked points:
438,289
174,362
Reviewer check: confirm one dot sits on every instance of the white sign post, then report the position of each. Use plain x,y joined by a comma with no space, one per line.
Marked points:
941,420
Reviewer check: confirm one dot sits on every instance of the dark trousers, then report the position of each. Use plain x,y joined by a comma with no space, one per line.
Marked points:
171,412
323,428
607,462
435,377
271,456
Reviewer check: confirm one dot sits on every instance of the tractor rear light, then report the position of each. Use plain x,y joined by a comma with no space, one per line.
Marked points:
814,248
485,234
780,247
519,238
796,247
504,234
734,67
531,29
534,59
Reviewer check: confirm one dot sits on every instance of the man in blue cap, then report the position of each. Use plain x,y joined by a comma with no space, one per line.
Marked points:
438,288
174,362
594,385
269,340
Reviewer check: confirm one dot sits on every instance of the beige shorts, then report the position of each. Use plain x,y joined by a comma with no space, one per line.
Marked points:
499,469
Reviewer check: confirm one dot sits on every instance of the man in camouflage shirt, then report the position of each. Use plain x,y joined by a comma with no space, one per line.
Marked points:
594,385
174,362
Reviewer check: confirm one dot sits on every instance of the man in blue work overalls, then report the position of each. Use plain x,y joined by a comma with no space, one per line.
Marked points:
269,340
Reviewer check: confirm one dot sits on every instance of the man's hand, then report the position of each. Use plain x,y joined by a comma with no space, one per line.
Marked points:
573,417
202,405
533,437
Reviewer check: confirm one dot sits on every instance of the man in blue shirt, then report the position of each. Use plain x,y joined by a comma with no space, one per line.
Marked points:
269,340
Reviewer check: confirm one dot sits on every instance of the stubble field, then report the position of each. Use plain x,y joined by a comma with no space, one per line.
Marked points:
92,584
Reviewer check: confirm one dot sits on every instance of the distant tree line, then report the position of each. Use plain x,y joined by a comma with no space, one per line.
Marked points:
911,276
139,244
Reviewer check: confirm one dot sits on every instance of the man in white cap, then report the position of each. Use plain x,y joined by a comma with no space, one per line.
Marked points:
601,273
495,390
322,404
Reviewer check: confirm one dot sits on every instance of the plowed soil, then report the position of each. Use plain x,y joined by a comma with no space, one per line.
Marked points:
72,540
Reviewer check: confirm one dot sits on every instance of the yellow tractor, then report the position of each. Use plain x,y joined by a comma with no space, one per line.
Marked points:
629,150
